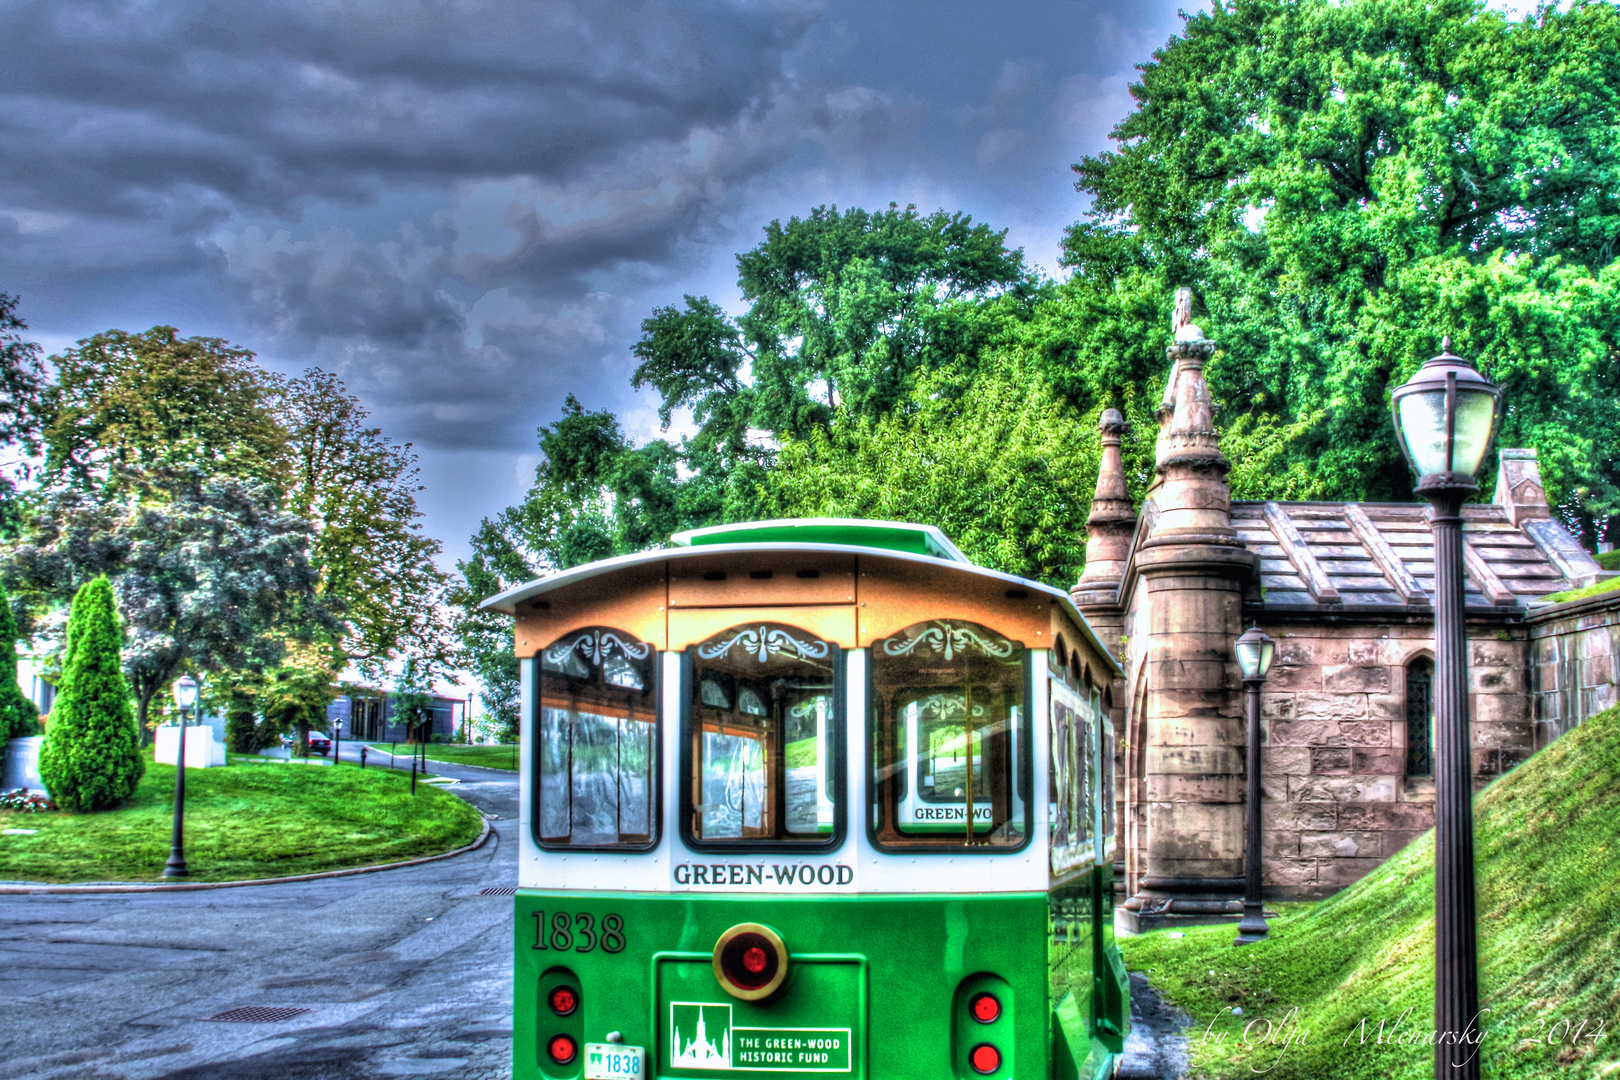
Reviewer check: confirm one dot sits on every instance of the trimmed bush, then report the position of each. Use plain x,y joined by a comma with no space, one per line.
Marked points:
18,717
91,757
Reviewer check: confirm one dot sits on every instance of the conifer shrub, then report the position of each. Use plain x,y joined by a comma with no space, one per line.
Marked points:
18,717
91,756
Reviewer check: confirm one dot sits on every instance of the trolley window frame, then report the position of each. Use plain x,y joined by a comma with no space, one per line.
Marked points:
657,793
1022,779
838,751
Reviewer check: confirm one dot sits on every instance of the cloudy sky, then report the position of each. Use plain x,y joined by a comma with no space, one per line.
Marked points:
466,208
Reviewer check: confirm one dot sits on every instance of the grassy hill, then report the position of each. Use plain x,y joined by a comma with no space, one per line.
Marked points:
1547,852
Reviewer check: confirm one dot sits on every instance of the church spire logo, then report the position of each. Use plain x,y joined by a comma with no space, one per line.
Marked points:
699,1036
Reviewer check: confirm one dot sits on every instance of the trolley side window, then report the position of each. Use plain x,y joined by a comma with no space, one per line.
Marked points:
596,742
1072,783
950,738
762,738
1106,728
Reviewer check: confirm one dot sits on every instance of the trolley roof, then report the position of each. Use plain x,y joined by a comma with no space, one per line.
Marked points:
906,542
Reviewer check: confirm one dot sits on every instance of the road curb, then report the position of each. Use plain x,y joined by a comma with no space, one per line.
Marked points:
199,886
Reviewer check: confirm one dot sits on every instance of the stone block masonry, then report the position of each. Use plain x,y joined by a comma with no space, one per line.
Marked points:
1576,656
1338,794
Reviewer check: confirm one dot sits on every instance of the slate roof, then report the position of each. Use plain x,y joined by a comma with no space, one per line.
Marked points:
1368,556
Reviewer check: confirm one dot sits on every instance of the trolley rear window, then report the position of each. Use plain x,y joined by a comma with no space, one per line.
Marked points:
762,741
596,742
950,739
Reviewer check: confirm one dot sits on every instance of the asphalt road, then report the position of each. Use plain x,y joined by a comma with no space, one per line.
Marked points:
404,973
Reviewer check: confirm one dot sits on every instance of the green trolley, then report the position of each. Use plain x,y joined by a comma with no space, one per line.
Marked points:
813,798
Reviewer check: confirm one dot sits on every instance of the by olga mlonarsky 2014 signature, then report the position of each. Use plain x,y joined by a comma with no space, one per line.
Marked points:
1270,1040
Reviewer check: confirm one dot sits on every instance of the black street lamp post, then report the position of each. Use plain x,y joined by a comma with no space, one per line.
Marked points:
1254,651
185,696
1446,415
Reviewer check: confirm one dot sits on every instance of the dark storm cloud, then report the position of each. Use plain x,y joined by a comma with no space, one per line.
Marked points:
190,137
465,208
110,107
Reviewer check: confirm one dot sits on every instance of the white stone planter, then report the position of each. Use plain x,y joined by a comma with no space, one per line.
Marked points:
22,765
202,751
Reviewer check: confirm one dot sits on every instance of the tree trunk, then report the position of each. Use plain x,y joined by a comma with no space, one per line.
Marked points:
143,701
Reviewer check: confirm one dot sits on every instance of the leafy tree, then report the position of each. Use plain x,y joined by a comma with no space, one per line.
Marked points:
295,694
20,388
413,699
486,637
91,757
845,308
126,407
18,716
204,574
997,461
357,489
1344,182
20,379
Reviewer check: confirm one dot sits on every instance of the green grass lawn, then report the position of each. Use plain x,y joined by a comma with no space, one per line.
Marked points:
1548,861
1581,594
503,756
254,818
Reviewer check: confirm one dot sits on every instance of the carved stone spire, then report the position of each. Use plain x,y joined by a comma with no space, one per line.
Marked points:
1109,528
1184,863
1191,493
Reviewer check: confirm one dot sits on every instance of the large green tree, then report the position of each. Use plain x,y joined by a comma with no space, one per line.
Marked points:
18,716
1344,182
357,490
127,406
205,574
91,756
845,308
997,460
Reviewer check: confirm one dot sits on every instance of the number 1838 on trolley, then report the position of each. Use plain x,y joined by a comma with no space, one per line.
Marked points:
813,798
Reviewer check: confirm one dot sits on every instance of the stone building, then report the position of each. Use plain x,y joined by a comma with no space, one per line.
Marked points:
1345,589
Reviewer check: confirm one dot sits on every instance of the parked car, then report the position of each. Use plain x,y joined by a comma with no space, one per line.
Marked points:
318,743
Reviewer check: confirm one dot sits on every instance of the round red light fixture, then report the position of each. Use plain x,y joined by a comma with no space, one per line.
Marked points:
750,962
985,1008
563,1000
562,1049
985,1058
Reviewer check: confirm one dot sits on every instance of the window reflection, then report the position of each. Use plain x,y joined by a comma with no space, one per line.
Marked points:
764,736
949,738
596,741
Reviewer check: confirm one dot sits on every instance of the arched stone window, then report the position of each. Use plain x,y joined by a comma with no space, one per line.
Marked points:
1420,717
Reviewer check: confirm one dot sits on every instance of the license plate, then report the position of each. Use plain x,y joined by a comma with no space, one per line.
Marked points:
613,1061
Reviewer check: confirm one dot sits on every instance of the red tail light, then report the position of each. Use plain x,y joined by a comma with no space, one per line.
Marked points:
985,1008
562,1049
985,1058
750,961
563,1000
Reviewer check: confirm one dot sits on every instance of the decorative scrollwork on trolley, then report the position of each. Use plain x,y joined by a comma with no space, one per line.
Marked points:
946,707
949,638
594,645
764,641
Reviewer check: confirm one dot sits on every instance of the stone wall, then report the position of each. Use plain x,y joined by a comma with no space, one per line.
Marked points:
1577,656
1338,800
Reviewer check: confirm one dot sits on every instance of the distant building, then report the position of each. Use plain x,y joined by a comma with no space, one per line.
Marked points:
369,714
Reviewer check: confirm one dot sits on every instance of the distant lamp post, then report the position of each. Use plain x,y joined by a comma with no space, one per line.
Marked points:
185,696
1446,415
1254,652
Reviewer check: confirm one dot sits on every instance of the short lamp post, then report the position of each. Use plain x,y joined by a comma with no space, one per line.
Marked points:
185,696
1254,652
1446,415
